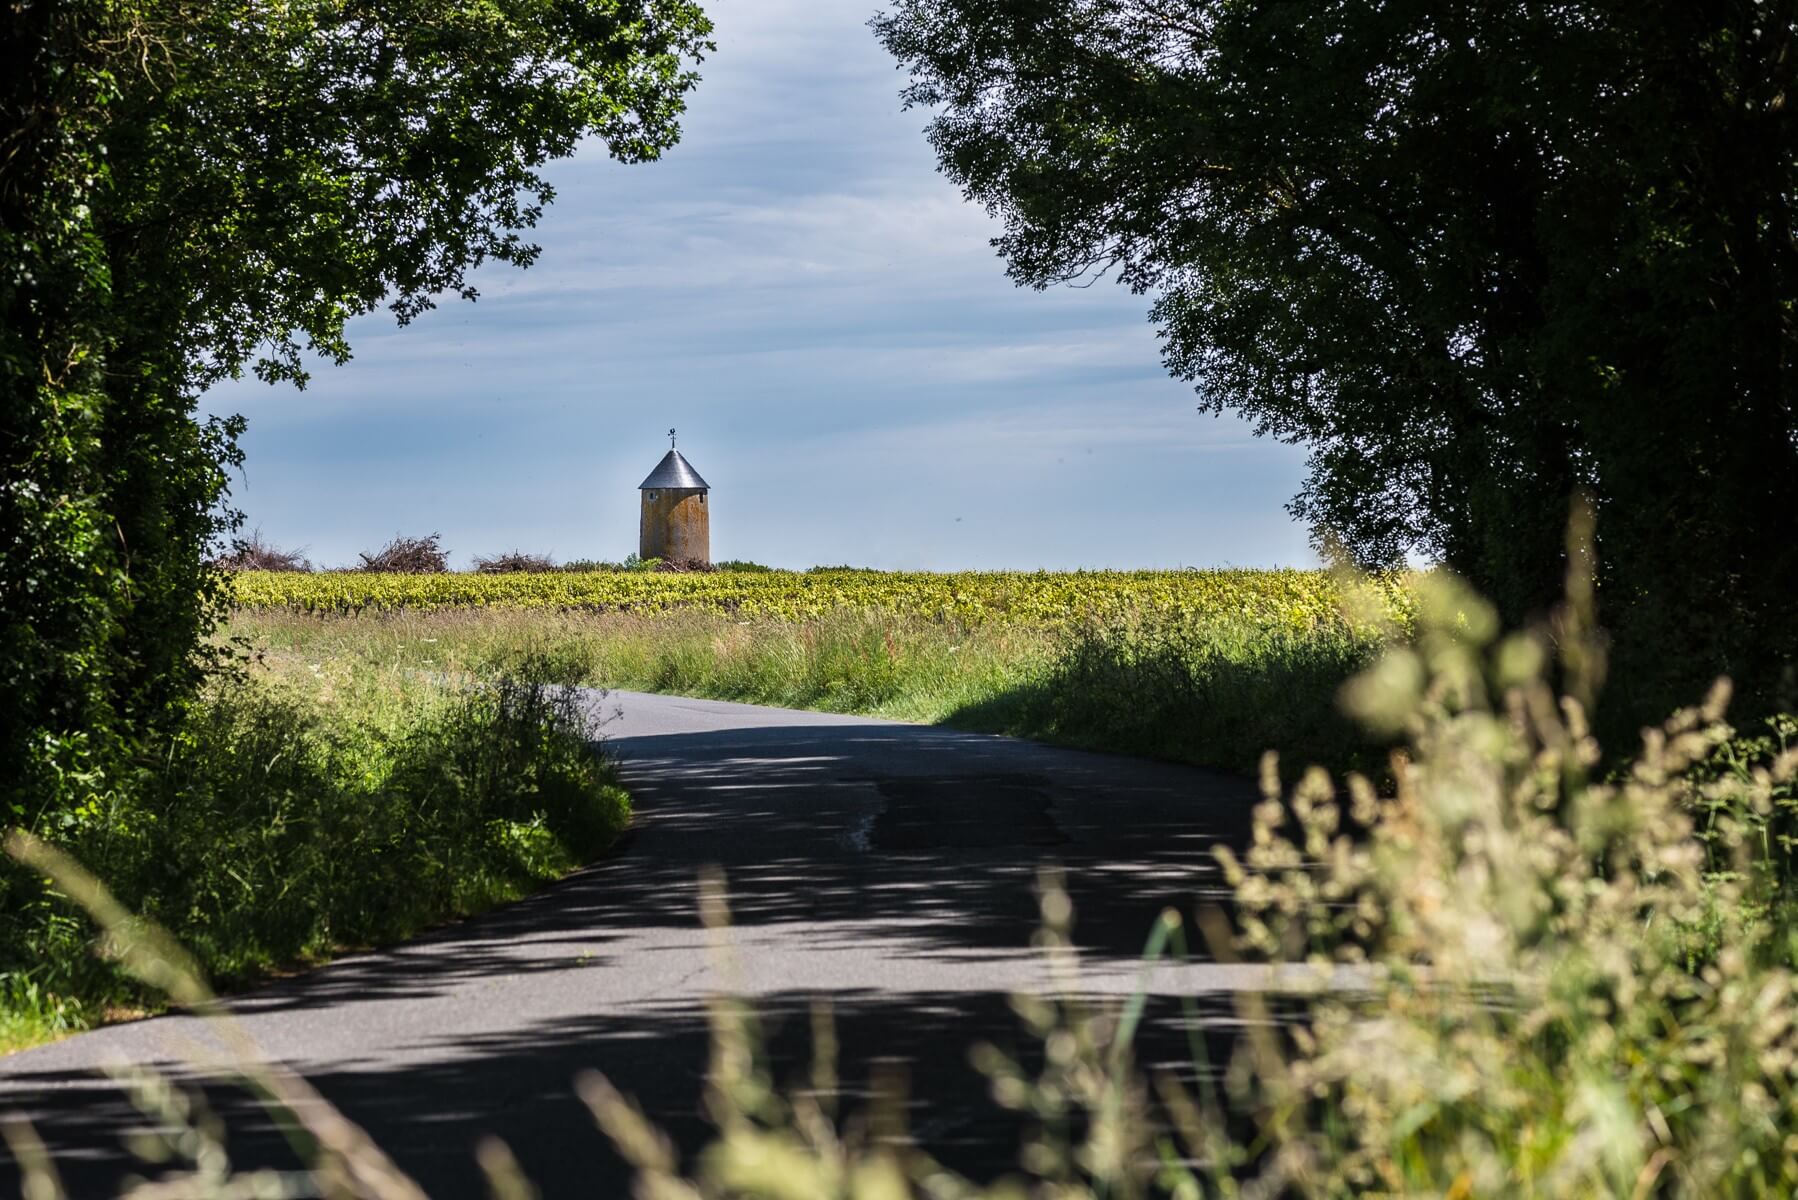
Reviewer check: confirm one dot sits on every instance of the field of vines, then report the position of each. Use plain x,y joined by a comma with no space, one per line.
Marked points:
1291,599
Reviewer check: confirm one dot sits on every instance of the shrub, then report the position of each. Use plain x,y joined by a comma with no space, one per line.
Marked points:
1745,805
408,556
514,562
277,827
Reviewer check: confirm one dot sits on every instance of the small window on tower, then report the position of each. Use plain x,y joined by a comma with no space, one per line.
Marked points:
653,495
702,497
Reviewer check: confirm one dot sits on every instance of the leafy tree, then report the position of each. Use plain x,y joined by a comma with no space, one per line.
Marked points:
188,191
1477,256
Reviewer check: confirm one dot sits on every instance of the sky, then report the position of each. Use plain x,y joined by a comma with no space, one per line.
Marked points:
820,314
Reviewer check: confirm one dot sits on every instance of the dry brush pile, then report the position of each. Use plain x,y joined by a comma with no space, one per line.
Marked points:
407,556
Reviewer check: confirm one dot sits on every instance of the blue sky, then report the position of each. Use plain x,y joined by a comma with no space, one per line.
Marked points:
818,311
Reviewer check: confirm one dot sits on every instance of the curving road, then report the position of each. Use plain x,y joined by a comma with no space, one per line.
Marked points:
887,867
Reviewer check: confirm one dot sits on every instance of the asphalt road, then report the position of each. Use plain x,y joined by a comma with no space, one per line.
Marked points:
888,868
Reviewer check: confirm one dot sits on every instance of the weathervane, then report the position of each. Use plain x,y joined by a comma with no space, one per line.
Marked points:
671,439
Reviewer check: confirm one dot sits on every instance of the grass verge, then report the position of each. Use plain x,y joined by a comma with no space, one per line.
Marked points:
1208,690
843,661
309,805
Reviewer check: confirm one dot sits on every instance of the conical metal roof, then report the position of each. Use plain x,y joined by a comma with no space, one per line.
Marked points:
673,471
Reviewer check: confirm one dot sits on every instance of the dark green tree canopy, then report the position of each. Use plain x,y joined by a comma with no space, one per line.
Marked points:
189,190
284,167
1476,256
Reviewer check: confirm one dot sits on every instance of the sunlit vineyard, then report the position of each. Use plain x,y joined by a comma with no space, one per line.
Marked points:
1285,599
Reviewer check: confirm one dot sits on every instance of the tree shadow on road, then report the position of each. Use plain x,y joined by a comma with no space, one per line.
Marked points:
938,845
917,846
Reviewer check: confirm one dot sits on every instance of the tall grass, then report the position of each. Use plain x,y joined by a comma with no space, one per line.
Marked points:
1200,689
305,806
1746,814
845,661
1217,693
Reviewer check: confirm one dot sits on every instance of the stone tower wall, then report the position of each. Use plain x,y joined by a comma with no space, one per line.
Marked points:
676,525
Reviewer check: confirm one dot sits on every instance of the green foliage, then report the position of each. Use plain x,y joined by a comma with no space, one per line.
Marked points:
192,190
1296,600
1476,257
298,813
1535,1024
1745,803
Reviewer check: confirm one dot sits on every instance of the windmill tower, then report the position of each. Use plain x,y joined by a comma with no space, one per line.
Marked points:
676,525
